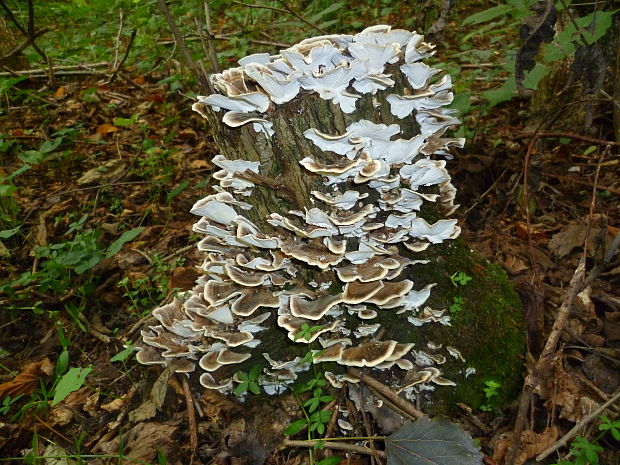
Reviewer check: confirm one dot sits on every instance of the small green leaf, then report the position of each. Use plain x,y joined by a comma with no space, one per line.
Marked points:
71,381
333,460
295,427
176,191
127,236
487,15
5,234
123,354
254,388
534,76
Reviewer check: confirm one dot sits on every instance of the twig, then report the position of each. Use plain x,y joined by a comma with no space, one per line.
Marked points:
28,72
178,39
25,43
480,197
191,417
334,445
575,429
212,51
117,44
386,392
532,380
581,183
118,67
178,252
57,433
100,186
570,135
21,28
286,10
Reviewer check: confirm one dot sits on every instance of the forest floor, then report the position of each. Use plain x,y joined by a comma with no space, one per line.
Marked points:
113,169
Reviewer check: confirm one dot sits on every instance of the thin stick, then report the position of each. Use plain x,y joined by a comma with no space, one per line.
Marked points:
571,135
334,445
575,429
21,28
28,72
386,392
286,9
191,417
212,51
178,39
99,187
581,183
117,45
532,380
118,67
26,43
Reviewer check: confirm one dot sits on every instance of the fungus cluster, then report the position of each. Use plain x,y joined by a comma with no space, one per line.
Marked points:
333,272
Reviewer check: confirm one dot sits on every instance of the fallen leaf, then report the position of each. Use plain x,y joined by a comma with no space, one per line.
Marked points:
437,441
106,128
183,278
199,164
28,380
531,445
106,172
60,93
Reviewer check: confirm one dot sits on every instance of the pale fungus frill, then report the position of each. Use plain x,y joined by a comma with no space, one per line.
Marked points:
357,237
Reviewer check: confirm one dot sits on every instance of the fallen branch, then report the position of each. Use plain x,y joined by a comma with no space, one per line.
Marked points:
178,38
30,72
386,392
572,180
532,380
570,135
334,445
575,429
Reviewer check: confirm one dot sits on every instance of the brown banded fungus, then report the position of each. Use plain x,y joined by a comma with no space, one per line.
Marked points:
340,264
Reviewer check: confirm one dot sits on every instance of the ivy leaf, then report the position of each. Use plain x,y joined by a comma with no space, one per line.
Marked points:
431,442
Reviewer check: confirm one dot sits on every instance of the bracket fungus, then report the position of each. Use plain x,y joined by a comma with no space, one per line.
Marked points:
319,230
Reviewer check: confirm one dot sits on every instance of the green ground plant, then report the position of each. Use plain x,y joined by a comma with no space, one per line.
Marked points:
586,452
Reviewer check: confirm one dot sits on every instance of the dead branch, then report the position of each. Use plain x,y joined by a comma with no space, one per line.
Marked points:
575,429
29,72
25,44
386,392
120,64
178,38
21,28
212,51
336,446
570,135
532,380
286,9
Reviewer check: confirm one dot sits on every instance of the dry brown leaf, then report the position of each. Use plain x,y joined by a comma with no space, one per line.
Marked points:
531,445
60,415
217,406
199,164
106,128
113,406
183,278
28,380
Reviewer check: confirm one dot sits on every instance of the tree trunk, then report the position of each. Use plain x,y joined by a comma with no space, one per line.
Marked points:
336,285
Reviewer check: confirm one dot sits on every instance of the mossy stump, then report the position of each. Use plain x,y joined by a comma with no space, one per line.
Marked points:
488,329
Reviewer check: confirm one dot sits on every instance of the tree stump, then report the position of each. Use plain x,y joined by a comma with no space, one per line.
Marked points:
329,231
